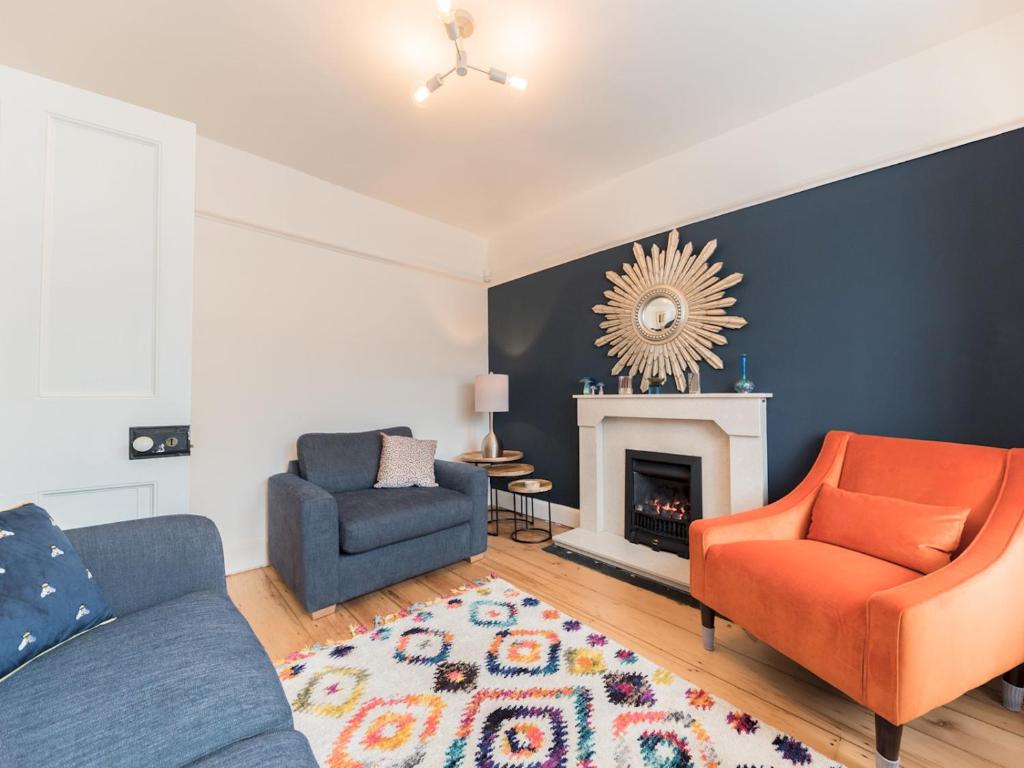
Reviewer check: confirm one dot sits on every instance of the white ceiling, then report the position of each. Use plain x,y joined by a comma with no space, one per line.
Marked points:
325,85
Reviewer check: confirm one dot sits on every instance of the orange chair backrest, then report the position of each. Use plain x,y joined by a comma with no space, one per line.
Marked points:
927,472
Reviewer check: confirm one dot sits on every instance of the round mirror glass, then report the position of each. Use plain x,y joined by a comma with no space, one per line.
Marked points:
659,314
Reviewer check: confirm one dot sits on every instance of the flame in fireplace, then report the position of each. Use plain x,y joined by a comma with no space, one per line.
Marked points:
669,509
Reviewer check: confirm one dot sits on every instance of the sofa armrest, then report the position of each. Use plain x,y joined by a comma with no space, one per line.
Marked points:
787,518
303,538
473,482
932,639
142,563
464,478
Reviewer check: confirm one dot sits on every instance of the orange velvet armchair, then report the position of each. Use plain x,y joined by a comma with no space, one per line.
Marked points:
897,641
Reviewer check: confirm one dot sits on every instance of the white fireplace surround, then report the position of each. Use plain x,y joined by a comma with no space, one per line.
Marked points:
726,430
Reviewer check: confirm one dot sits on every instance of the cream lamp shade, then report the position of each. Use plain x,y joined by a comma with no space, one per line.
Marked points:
491,391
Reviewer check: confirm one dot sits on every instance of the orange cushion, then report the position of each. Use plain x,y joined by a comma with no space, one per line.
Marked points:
926,472
804,598
916,536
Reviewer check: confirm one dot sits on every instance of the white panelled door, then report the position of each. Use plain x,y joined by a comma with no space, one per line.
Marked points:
97,204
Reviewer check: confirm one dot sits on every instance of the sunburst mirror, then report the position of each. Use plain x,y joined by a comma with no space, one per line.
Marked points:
665,312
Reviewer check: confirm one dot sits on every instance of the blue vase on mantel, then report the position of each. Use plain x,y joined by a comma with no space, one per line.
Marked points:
744,386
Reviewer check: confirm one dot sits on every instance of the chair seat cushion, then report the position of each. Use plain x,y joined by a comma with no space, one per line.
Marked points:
807,599
379,516
162,687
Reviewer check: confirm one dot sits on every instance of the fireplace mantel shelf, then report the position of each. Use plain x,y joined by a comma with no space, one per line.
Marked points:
680,396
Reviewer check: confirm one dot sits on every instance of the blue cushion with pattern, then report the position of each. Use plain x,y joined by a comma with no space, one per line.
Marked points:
46,594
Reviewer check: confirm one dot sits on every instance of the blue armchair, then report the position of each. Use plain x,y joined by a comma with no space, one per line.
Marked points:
333,536
179,679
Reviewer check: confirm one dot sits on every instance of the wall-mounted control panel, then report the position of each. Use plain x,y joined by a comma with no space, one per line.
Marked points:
158,442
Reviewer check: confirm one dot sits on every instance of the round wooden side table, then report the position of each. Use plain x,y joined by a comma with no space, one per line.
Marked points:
528,493
504,471
475,457
510,470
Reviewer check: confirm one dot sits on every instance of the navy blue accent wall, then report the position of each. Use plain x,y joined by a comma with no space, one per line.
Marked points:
888,303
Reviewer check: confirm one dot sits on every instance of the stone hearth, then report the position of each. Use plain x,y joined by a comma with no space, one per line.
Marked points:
727,431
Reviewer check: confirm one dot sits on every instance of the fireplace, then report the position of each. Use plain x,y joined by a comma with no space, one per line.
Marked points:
726,430
663,496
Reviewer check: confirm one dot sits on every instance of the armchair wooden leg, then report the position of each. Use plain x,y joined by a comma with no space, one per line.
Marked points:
323,612
707,627
1013,689
887,743
475,558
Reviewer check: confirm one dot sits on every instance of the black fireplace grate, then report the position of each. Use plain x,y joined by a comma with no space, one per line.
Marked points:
657,532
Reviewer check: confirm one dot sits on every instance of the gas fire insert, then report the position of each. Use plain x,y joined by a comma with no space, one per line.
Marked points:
663,496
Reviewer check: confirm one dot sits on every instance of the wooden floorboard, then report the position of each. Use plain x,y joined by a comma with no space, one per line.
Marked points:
972,731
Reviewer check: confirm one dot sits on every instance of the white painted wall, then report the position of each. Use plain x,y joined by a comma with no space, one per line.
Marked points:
962,90
317,309
237,186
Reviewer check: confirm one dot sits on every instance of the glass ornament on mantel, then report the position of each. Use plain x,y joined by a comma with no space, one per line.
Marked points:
744,386
694,386
655,383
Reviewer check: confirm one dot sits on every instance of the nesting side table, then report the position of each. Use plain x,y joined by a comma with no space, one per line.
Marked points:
505,466
526,493
475,457
503,471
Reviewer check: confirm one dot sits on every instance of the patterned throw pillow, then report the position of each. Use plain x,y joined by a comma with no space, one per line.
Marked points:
47,595
406,461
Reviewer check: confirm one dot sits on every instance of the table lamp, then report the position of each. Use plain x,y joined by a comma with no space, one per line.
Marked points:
491,390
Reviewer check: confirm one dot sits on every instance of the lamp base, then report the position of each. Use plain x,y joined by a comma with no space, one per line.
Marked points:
491,447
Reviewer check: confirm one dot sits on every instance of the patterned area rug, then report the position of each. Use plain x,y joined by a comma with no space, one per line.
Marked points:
493,677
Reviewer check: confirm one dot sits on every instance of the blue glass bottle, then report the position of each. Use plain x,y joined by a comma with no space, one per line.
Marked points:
744,385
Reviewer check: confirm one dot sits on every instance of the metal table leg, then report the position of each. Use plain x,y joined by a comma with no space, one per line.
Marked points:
529,517
495,517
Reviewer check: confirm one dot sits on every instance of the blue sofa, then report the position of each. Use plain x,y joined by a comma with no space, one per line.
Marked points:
333,536
178,679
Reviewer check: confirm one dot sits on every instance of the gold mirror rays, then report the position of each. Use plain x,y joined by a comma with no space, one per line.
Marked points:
644,341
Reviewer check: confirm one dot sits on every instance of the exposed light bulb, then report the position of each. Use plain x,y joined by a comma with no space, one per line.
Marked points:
427,88
444,7
503,78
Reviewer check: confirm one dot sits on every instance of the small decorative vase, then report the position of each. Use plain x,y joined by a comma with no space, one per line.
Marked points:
657,381
744,385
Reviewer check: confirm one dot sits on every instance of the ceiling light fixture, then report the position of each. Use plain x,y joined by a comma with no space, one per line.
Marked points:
458,25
